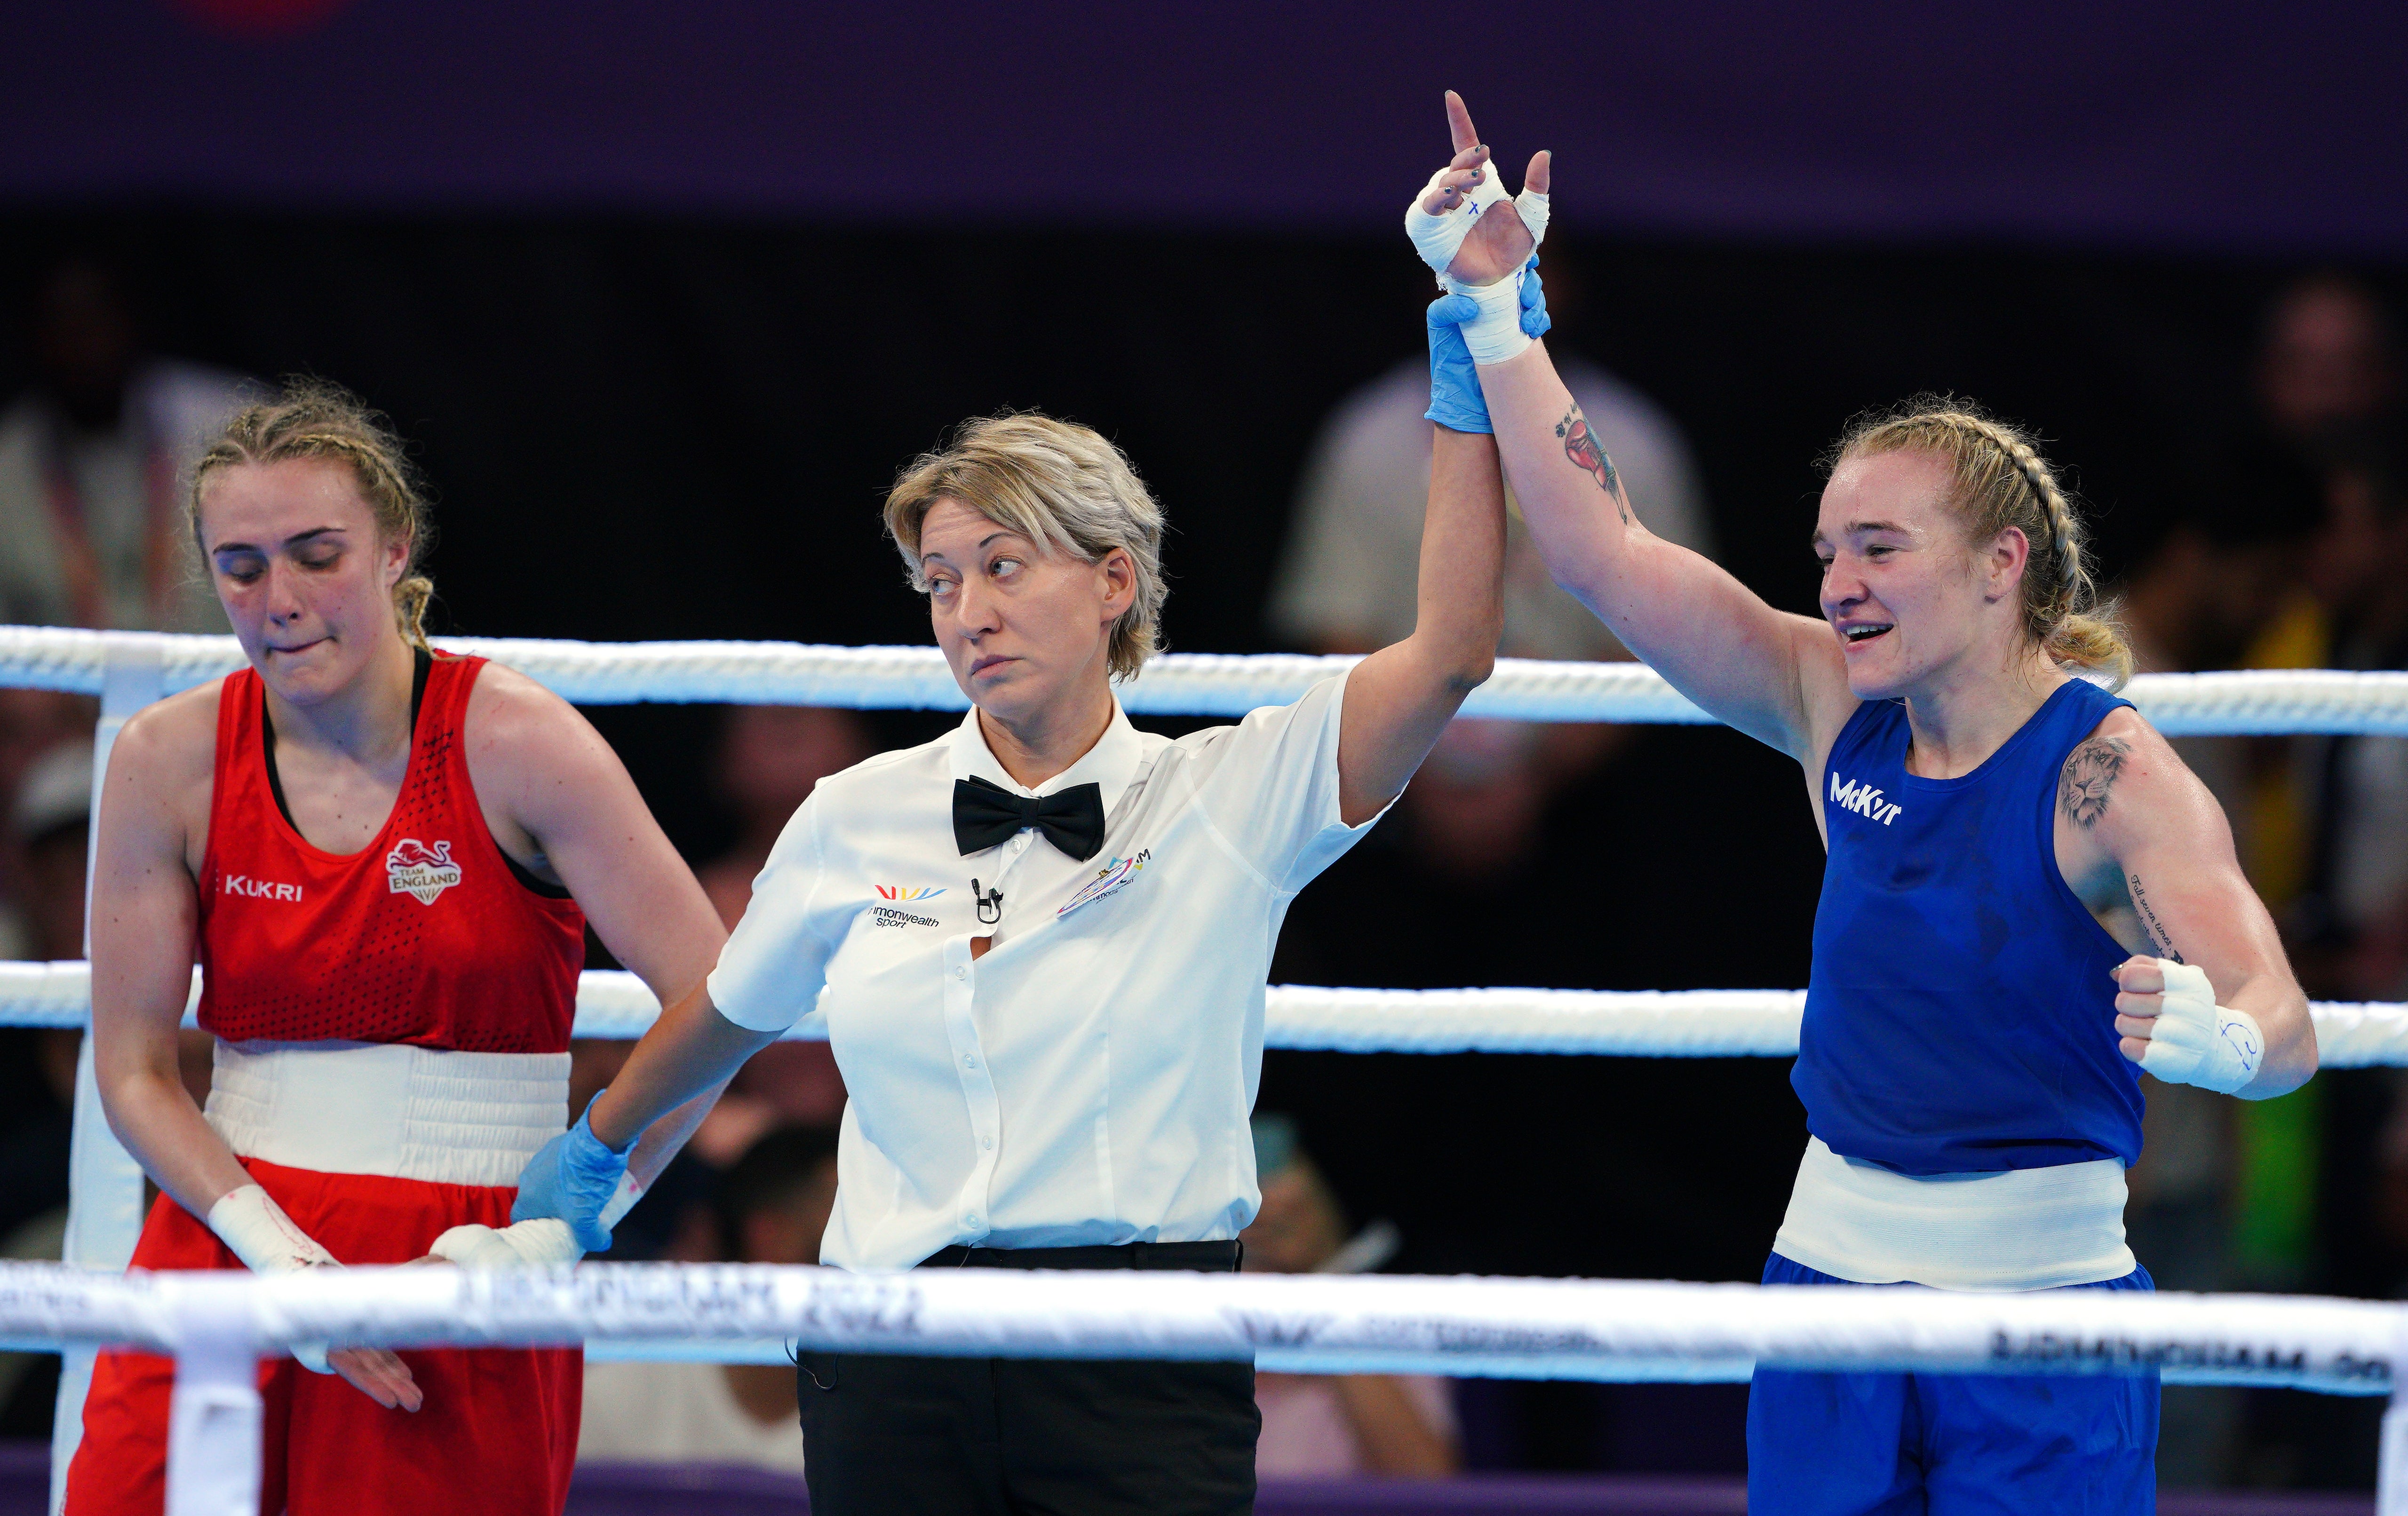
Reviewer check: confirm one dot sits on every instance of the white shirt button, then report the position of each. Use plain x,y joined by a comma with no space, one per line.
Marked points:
969,1062
988,1144
1020,842
962,973
969,1221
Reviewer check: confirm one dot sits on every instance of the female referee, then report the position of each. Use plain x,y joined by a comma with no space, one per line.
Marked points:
2009,846
1039,947
385,859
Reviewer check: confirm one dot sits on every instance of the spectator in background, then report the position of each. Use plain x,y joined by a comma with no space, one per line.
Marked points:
2350,920
1317,1425
772,1205
2200,595
2328,372
770,759
1345,583
49,825
2327,395
2316,1181
90,525
90,514
33,724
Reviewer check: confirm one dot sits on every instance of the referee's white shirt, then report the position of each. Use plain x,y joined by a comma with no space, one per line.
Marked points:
1089,1079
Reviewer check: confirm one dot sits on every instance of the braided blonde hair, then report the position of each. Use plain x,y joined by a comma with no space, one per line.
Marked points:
2002,481
314,419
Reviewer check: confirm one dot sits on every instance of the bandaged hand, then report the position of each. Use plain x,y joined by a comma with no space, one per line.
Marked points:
579,1180
542,1243
2187,1038
255,1229
1473,251
545,1242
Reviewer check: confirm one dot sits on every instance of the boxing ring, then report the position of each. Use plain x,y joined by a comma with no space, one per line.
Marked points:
217,1325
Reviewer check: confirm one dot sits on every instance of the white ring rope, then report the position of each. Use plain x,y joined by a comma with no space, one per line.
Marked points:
1631,1023
1575,1329
1522,1328
1179,683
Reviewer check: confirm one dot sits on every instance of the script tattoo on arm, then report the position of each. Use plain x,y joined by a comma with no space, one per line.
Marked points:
1580,446
2089,775
2157,928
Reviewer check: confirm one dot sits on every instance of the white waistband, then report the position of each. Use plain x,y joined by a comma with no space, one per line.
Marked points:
2020,1229
408,1113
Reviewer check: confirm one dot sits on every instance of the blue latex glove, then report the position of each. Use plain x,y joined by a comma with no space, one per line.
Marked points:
1536,323
572,1177
1455,400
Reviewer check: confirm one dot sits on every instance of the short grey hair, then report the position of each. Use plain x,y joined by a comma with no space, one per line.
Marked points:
1057,484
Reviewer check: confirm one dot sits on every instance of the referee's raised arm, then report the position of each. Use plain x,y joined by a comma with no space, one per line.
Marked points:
1038,945
1399,698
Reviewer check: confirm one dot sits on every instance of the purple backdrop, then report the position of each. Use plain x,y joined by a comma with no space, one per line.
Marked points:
2152,124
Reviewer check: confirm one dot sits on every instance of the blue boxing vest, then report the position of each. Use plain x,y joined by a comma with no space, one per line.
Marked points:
1961,1016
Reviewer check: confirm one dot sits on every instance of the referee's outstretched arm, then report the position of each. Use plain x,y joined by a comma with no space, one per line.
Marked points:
1399,698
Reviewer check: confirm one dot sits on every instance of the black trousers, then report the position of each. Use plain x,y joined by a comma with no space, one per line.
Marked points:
887,1436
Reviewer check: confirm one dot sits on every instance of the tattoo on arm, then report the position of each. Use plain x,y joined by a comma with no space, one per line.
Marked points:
2089,775
1580,446
2157,928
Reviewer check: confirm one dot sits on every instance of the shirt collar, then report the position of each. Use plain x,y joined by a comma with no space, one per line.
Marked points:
1111,765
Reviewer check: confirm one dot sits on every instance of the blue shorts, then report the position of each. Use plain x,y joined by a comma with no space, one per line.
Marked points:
1950,1444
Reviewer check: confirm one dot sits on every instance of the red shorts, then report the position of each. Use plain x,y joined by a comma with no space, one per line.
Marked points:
498,1432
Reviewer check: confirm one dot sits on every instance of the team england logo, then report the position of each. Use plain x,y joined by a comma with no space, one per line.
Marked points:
417,868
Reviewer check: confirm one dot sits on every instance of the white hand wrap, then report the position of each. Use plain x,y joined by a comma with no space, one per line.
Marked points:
2197,1042
541,1243
1439,237
249,1222
1533,208
1495,334
623,1199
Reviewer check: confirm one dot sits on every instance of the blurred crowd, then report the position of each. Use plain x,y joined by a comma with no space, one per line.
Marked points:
2287,548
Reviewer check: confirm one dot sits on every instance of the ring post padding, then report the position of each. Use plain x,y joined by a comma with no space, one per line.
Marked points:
104,1182
2391,1470
213,1417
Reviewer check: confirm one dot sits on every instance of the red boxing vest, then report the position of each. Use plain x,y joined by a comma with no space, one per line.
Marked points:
425,938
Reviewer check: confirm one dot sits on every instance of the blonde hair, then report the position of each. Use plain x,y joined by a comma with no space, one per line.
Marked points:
2002,481
314,419
1058,485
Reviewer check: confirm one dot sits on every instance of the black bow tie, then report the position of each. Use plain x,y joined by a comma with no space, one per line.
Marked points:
1072,819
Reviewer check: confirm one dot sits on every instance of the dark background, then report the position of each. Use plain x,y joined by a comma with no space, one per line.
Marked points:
643,426
663,297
